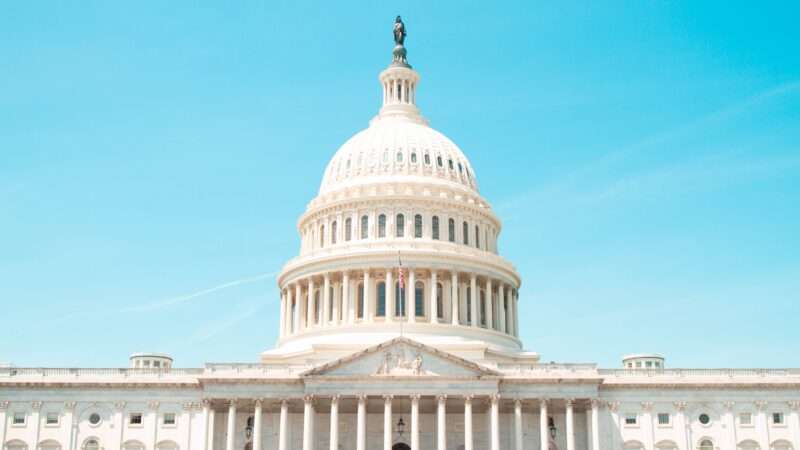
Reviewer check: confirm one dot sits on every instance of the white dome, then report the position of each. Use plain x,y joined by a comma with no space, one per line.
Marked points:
393,149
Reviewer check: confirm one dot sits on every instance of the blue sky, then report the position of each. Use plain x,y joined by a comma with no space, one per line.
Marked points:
644,158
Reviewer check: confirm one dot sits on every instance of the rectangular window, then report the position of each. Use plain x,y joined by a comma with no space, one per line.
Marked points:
51,418
663,418
745,419
648,364
19,418
630,419
135,419
169,418
777,418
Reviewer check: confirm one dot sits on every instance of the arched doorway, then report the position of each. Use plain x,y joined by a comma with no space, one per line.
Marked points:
401,446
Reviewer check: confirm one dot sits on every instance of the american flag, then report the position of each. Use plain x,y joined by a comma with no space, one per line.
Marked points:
402,276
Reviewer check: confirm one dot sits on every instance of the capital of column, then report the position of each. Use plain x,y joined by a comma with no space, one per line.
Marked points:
36,405
728,405
794,405
517,403
387,399
119,406
468,399
543,402
308,399
494,398
647,406
335,399
362,397
233,403
569,402
595,403
680,406
614,406
189,406
4,404
67,405
259,402
415,397
153,405
206,402
761,405
441,398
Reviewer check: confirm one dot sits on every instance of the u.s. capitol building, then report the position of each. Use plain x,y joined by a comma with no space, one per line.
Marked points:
399,329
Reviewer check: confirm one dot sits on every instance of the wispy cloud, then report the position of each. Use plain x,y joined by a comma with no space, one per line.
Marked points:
213,329
564,184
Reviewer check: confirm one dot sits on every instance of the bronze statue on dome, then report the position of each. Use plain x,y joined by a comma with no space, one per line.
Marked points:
399,31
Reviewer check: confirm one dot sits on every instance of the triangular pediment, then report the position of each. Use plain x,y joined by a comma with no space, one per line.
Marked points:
401,357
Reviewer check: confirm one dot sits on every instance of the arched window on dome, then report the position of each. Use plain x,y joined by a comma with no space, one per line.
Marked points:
413,157
450,164
439,301
466,233
348,229
321,236
360,303
427,159
477,237
364,227
385,156
330,303
419,299
381,309
334,229
451,230
439,161
317,307
382,226
399,156
418,226
399,300
469,305
482,307
435,227
400,225
460,168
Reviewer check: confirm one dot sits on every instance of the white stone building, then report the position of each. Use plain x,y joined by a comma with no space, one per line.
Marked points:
364,364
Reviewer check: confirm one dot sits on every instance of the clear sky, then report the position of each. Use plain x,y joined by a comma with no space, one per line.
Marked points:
644,157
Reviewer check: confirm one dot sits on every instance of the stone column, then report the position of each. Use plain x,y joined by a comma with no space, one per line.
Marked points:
501,307
454,298
229,441
367,298
494,401
518,424
69,420
188,418
794,422
570,424
595,424
411,291
361,427
308,422
36,418
647,419
434,311
326,299
387,422
389,297
474,300
762,426
337,300
298,307
543,432
334,434
291,326
283,438
511,312
310,310
613,407
3,411
211,418
206,414
257,421
441,422
347,305
282,318
488,312
680,425
468,440
729,421
516,314
415,423
119,422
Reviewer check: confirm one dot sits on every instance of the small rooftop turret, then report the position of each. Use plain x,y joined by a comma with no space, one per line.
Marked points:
150,361
646,361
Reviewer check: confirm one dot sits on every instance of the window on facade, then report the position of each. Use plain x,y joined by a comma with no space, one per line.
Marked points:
477,237
439,161
169,418
364,227
745,419
466,233
157,364
91,444
427,159
418,226
777,418
135,419
630,419
381,310
400,225
482,306
399,300
419,299
94,419
382,226
748,445
49,445
334,229
663,418
399,157
52,418
451,230
16,445
657,364
360,305
18,418
348,229
704,419
414,157
450,164
638,364
469,305
648,364
439,301
322,236
435,227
